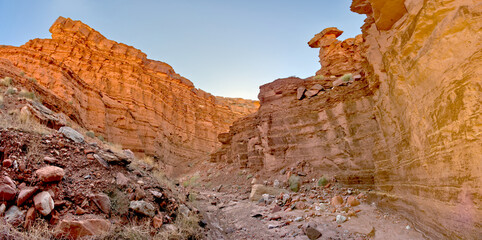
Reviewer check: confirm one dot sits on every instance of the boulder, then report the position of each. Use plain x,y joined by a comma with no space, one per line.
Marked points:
44,203
71,134
300,92
8,189
311,232
76,229
7,163
30,218
102,201
50,174
352,201
25,194
257,191
121,179
336,200
142,207
311,93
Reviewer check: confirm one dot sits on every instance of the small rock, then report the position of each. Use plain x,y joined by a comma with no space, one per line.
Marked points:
50,174
142,207
102,201
301,205
157,222
276,183
298,219
2,208
50,160
183,210
30,217
77,229
299,92
311,93
80,211
44,203
340,218
337,200
14,216
352,201
121,179
72,134
8,190
257,215
128,153
271,226
101,161
311,232
7,163
257,191
25,194
276,209
407,227
156,194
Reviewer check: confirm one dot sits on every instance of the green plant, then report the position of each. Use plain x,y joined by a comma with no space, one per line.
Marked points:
10,90
90,134
31,79
70,102
319,77
294,182
119,201
322,181
27,94
347,77
192,197
7,81
191,181
249,176
22,73
100,137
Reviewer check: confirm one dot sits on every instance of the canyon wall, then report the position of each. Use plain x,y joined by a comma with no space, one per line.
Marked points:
115,91
424,60
410,128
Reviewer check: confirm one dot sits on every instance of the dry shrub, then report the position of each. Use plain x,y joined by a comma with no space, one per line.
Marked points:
22,120
115,147
186,227
7,81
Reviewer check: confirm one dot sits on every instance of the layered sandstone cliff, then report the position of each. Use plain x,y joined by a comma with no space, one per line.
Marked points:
424,61
410,128
117,92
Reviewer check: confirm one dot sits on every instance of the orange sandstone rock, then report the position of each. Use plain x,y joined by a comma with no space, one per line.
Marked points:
117,92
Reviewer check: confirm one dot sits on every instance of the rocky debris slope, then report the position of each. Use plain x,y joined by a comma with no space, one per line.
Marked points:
424,61
118,93
78,188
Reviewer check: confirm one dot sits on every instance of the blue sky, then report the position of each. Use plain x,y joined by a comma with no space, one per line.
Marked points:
225,47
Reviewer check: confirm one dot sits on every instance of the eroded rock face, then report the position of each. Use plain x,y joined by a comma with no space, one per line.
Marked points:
337,57
424,61
333,132
117,92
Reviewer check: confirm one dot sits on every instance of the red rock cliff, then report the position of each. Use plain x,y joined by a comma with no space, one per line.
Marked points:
424,60
117,92
409,128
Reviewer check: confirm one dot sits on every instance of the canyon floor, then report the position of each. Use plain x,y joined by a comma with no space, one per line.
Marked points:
236,205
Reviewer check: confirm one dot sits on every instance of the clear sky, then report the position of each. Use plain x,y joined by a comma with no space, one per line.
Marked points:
225,47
